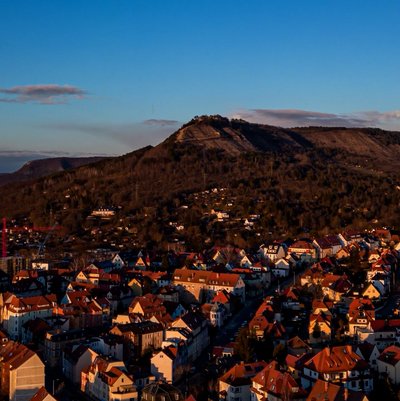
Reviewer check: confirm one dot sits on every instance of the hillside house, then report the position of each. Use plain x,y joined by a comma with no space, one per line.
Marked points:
272,252
203,285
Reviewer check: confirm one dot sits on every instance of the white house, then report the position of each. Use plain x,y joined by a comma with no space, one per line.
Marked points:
389,363
281,268
272,252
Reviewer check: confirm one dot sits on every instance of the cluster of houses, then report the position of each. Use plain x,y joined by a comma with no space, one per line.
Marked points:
117,326
326,306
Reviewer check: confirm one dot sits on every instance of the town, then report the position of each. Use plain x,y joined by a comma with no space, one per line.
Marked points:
200,200
312,318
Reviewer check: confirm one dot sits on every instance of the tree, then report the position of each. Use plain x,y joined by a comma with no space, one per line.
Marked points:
165,265
244,346
316,333
279,354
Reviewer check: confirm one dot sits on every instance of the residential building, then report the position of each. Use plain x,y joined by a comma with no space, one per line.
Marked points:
304,249
235,384
338,364
327,246
272,252
325,391
281,268
56,341
106,379
203,285
22,371
360,315
389,363
272,384
16,311
75,359
139,337
197,326
170,363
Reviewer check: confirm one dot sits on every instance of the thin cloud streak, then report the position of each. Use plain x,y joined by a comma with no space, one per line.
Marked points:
42,94
301,118
161,123
134,135
41,154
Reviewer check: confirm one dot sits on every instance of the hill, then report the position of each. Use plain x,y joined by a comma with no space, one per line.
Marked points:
311,178
40,168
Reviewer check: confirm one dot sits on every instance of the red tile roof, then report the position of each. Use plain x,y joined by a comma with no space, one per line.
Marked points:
242,373
41,394
274,382
325,391
336,359
206,277
390,355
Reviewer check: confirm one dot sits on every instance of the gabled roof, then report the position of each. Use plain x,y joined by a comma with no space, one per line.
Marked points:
242,373
274,382
222,297
301,244
321,304
385,325
328,242
297,343
206,277
15,354
361,308
41,395
74,355
140,327
336,359
192,319
274,329
171,352
22,305
390,355
325,391
365,350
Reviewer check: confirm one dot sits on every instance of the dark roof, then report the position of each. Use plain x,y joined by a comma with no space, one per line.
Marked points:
193,319
161,392
140,327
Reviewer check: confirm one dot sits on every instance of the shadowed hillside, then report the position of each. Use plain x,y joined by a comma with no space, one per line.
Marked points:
313,177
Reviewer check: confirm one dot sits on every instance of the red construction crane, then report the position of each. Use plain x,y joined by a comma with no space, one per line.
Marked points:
25,228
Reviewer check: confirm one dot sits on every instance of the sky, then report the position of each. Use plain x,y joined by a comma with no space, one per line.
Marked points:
99,77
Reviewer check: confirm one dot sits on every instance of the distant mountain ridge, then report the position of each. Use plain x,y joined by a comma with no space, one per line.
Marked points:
40,168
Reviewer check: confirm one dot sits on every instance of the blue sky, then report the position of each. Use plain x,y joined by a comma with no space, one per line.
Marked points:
107,77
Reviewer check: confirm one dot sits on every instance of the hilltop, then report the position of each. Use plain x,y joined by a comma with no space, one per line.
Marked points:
314,178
